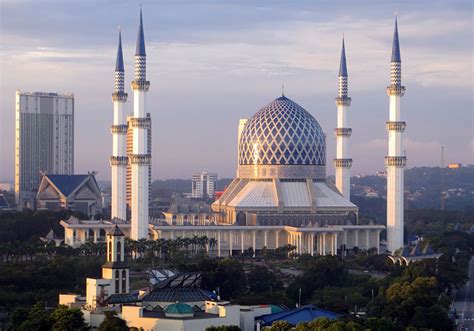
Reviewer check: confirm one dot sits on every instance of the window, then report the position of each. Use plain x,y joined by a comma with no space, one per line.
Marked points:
124,281
110,251
117,281
119,251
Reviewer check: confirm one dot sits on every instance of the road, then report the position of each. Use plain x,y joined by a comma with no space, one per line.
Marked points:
464,302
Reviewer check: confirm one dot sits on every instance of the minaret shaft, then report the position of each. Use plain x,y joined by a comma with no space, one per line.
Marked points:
119,160
395,160
343,162
140,159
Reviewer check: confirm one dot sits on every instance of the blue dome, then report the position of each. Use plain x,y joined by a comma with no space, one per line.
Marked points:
282,133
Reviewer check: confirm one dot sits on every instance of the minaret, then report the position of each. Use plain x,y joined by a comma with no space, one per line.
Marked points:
342,161
116,268
395,161
119,159
140,160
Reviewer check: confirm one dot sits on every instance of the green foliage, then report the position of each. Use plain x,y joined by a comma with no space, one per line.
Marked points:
113,323
228,276
38,318
279,326
223,328
64,318
261,279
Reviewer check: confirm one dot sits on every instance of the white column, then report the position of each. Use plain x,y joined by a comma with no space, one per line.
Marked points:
324,244
277,239
367,239
265,238
300,244
312,244
230,243
254,242
356,238
242,241
377,241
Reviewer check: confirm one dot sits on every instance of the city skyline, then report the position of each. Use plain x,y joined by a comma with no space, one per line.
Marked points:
230,74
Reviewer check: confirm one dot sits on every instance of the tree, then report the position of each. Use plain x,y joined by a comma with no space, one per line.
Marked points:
228,276
64,318
261,280
223,328
279,326
38,319
113,323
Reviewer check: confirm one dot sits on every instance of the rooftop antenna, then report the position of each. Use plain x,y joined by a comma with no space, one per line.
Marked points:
282,90
442,178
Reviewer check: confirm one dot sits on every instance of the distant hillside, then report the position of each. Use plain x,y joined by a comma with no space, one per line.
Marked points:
423,187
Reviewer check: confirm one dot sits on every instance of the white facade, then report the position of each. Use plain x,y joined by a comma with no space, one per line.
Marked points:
395,159
119,159
44,140
342,162
140,159
203,185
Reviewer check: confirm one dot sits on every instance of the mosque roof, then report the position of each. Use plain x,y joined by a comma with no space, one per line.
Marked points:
115,231
179,308
282,133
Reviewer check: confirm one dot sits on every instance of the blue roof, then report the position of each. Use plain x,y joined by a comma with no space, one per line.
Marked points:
343,64
295,316
67,183
119,61
140,38
396,45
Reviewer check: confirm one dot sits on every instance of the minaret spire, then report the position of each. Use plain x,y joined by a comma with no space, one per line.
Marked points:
119,159
140,159
396,44
395,159
342,161
343,64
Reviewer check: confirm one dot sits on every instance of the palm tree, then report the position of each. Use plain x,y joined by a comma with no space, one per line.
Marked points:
212,244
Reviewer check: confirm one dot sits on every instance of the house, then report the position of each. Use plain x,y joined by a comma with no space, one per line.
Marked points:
79,193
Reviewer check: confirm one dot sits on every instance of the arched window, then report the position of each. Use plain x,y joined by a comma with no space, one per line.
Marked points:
124,281
119,251
110,251
117,281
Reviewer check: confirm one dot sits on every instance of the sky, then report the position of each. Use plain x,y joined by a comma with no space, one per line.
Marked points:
211,63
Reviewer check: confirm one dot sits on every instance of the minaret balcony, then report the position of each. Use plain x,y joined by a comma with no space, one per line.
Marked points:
396,90
140,159
343,132
119,160
343,163
343,101
119,129
119,96
396,161
396,126
140,85
140,122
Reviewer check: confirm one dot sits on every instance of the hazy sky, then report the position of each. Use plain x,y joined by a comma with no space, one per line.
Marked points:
211,63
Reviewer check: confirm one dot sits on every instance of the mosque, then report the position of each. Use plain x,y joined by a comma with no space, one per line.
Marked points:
280,195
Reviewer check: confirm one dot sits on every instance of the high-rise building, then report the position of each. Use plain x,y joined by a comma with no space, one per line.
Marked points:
140,159
130,152
204,185
396,160
44,141
342,161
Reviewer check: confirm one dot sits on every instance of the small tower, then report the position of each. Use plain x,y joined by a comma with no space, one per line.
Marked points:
395,161
119,159
116,269
342,162
140,159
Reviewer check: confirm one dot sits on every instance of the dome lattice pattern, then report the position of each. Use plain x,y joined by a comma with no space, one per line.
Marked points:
282,133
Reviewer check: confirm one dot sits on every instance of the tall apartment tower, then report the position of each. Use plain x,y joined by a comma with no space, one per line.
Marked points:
395,161
44,141
119,159
130,152
204,185
140,160
342,161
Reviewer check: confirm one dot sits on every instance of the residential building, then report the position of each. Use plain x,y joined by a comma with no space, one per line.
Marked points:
204,185
44,141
